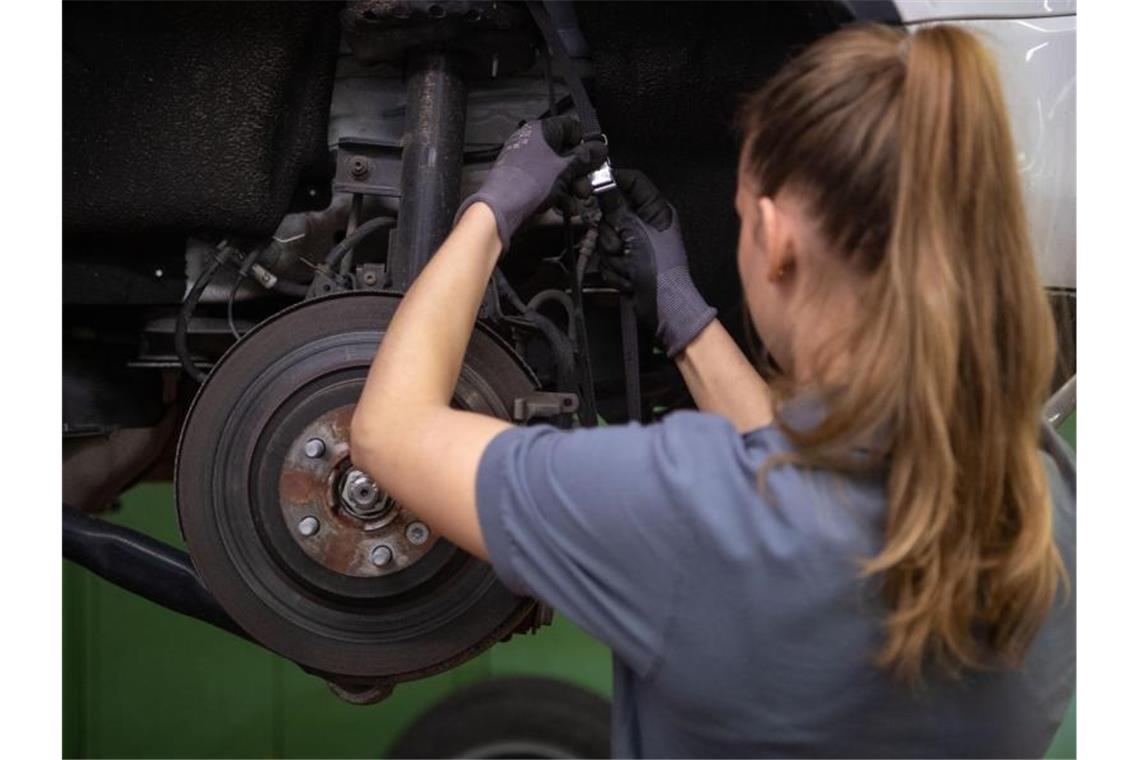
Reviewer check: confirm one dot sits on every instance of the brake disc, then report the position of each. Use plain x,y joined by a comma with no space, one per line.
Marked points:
301,548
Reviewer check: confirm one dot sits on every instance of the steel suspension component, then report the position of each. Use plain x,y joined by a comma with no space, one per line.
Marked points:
300,547
432,160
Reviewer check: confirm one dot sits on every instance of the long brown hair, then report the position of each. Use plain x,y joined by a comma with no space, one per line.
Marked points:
901,144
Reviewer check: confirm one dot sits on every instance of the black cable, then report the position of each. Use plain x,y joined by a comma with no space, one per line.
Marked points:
586,114
360,233
548,73
591,214
188,305
552,294
503,284
246,263
560,345
230,309
353,223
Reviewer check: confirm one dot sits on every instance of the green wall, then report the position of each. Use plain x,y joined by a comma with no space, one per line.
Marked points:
140,681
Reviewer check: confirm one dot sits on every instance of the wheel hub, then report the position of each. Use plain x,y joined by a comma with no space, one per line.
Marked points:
298,544
361,531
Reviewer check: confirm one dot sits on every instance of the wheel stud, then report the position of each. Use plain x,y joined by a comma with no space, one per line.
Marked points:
417,533
314,448
308,526
381,555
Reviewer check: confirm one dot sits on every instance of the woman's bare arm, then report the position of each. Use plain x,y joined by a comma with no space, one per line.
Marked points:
404,432
722,380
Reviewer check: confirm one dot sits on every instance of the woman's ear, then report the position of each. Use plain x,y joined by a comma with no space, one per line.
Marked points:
776,239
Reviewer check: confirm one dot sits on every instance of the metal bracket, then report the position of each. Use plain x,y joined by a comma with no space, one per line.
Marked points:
325,282
367,168
543,404
362,693
541,616
371,276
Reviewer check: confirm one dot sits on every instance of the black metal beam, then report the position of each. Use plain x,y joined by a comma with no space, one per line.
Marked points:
434,122
142,565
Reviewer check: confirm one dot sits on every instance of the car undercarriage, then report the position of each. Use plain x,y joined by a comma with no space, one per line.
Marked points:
248,189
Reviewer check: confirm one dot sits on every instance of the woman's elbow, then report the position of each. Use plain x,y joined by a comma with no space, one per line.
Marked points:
364,440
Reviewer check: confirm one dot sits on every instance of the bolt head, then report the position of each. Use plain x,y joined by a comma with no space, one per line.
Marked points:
417,533
381,555
359,490
308,526
314,448
359,167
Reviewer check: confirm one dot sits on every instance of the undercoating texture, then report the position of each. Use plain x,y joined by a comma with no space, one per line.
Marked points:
668,78
179,116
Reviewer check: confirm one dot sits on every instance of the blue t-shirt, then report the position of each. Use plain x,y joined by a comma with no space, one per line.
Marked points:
739,622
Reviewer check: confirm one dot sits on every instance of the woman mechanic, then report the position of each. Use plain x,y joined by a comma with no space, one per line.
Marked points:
872,555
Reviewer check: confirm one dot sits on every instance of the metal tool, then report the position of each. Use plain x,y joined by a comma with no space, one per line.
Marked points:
602,178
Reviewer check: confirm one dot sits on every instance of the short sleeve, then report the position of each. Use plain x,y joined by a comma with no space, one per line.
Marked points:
594,521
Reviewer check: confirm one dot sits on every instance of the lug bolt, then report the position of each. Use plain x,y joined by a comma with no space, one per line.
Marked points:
381,555
417,533
314,448
308,526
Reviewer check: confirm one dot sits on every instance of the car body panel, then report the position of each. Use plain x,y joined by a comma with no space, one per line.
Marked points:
1037,61
913,11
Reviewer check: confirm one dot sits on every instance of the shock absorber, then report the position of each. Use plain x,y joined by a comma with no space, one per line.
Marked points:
442,46
432,160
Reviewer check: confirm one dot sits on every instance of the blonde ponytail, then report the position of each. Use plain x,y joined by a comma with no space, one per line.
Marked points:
955,358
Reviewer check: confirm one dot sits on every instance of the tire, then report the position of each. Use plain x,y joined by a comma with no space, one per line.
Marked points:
511,717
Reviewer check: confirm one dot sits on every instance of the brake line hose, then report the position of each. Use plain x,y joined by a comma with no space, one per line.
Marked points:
350,241
189,303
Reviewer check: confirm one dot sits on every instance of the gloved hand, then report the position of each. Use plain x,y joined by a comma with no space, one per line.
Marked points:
644,230
538,162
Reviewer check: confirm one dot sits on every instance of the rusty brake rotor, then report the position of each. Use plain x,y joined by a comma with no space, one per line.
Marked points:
300,547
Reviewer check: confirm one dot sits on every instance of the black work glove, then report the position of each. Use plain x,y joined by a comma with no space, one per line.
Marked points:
642,232
540,161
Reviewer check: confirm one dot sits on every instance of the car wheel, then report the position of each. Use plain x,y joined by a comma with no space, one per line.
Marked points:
512,717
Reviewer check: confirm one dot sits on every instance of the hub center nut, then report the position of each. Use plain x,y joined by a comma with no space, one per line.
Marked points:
359,494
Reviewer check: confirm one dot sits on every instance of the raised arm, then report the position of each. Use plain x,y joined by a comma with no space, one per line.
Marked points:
723,381
404,432
717,373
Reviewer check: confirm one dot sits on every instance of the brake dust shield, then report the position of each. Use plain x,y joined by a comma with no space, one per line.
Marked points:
298,546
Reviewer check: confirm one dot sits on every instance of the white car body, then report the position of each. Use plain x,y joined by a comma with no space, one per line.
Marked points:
1035,44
